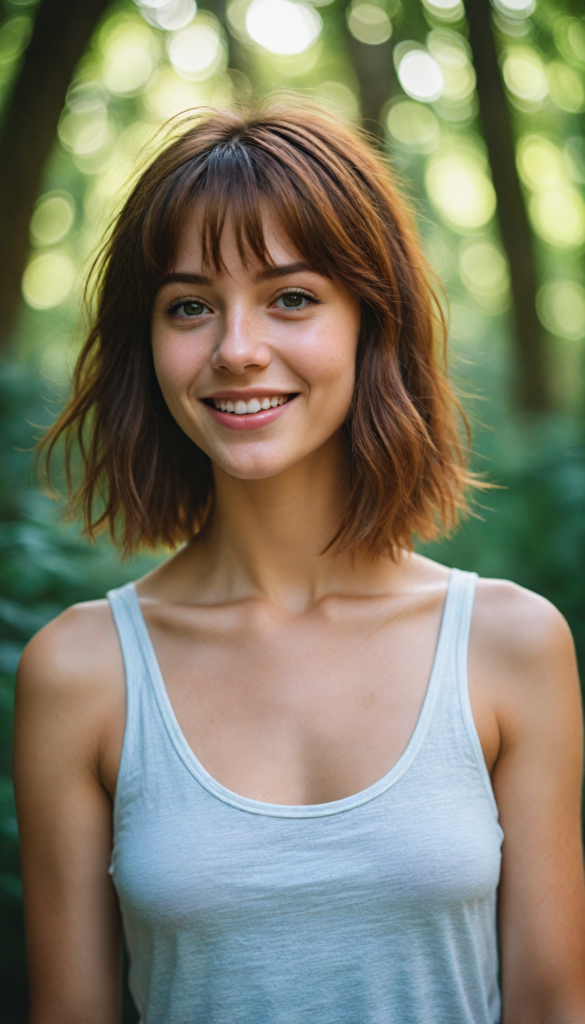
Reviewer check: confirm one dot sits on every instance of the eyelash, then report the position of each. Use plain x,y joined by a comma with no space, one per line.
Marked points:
297,291
173,308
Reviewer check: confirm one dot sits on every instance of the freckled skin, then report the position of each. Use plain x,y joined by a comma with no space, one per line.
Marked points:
296,676
247,339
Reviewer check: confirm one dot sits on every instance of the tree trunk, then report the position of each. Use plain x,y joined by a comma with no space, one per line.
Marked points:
377,83
531,377
61,33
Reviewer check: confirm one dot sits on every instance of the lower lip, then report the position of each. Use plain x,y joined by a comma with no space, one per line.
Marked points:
250,420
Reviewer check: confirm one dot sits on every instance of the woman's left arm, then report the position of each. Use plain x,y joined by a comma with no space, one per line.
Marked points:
537,781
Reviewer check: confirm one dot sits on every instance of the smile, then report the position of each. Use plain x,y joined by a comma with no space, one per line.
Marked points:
250,413
252,406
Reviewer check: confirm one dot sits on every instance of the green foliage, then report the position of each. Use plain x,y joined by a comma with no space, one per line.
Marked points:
44,568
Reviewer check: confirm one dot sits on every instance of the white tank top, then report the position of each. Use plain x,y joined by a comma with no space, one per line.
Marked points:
376,909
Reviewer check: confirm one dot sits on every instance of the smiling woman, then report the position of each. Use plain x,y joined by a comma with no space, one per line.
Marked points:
285,761
301,183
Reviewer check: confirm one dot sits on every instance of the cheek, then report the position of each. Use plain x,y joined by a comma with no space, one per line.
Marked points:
176,365
330,361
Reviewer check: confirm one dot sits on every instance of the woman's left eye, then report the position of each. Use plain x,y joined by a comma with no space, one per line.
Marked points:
294,300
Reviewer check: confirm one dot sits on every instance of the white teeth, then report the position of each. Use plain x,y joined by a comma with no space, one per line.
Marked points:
241,408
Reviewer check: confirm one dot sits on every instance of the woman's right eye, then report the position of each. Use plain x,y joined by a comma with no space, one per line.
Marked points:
188,309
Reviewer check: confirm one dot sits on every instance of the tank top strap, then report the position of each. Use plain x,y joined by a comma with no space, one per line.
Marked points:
462,597
451,653
454,719
123,605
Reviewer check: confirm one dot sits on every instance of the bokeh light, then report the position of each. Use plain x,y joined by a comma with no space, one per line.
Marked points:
565,86
540,162
130,54
339,98
525,76
561,308
236,12
169,94
445,10
48,280
413,126
52,218
84,132
198,52
556,208
283,26
14,36
569,36
558,217
369,23
574,158
459,188
419,74
453,57
170,14
516,8
483,269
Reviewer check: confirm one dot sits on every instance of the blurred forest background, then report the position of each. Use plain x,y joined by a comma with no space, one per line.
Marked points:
481,110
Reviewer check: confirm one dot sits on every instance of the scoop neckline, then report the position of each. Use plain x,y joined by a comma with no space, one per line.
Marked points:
228,796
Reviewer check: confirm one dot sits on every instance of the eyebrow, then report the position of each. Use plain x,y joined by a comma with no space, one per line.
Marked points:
269,274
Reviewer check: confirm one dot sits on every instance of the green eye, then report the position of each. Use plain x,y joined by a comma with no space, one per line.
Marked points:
192,308
294,300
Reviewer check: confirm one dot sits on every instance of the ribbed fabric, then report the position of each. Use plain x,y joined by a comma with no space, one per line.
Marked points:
376,909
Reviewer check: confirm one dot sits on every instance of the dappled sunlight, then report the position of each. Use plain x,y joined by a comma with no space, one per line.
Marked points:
169,14
556,207
52,218
419,73
339,98
413,126
198,52
48,279
484,272
525,77
459,187
369,23
561,308
283,27
445,10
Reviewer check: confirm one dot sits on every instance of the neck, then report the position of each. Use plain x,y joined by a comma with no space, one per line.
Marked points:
267,537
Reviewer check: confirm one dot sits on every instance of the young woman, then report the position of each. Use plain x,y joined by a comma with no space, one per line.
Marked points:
276,757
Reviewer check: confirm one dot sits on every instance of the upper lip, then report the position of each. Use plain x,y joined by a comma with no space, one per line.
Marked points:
246,393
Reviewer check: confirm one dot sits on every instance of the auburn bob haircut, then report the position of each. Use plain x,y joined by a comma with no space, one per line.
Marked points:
333,196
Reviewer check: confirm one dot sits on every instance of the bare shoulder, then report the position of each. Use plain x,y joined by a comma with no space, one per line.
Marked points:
522,649
71,673
517,625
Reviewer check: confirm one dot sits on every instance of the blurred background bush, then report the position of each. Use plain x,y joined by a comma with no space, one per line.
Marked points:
480,109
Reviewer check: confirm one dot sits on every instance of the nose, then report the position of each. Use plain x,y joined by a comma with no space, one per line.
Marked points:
241,346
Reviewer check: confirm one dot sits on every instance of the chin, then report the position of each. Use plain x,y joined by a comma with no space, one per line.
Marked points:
257,468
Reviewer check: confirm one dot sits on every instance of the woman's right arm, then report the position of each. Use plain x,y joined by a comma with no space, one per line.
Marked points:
69,710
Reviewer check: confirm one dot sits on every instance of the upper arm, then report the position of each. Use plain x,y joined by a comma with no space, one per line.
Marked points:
65,820
537,783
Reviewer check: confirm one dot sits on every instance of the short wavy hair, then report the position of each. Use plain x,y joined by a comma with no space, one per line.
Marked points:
136,471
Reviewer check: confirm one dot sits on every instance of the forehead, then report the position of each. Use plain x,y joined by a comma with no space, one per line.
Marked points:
232,244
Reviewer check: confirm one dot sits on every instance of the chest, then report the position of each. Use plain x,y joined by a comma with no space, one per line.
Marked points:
305,711
200,863
302,711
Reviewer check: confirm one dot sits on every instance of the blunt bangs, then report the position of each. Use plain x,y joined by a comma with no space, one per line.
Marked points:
334,199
